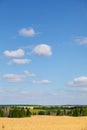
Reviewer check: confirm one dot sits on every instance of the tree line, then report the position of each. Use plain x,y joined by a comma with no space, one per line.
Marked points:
22,112
66,112
15,112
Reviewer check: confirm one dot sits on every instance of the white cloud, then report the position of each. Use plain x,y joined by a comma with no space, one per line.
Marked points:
17,77
79,81
27,73
41,81
82,40
13,77
14,53
42,50
27,32
19,61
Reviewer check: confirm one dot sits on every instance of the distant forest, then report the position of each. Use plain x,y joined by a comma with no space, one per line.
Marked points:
28,111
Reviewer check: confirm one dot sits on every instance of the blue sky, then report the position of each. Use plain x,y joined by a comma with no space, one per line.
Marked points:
43,52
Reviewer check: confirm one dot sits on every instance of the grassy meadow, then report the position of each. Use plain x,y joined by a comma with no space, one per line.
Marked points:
44,123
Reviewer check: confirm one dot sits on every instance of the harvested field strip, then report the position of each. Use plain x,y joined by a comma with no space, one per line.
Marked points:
44,123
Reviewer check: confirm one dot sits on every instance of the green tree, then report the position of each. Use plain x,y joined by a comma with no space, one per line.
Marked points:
17,112
69,112
58,112
28,113
84,111
1,113
41,113
48,113
76,112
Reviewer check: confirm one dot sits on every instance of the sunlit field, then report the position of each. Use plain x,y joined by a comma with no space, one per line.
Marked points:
44,123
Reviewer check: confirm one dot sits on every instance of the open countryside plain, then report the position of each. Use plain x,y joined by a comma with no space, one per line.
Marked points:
44,123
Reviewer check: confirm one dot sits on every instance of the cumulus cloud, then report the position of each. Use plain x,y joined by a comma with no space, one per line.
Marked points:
82,40
42,50
27,32
41,81
27,73
13,77
79,81
17,77
19,61
14,53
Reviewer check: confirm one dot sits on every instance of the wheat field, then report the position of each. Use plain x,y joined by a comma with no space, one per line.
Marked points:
44,123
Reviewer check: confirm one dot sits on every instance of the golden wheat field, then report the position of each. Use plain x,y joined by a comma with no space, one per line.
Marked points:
44,123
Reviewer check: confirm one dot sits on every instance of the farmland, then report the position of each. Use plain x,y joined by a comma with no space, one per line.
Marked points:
44,123
28,110
21,117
